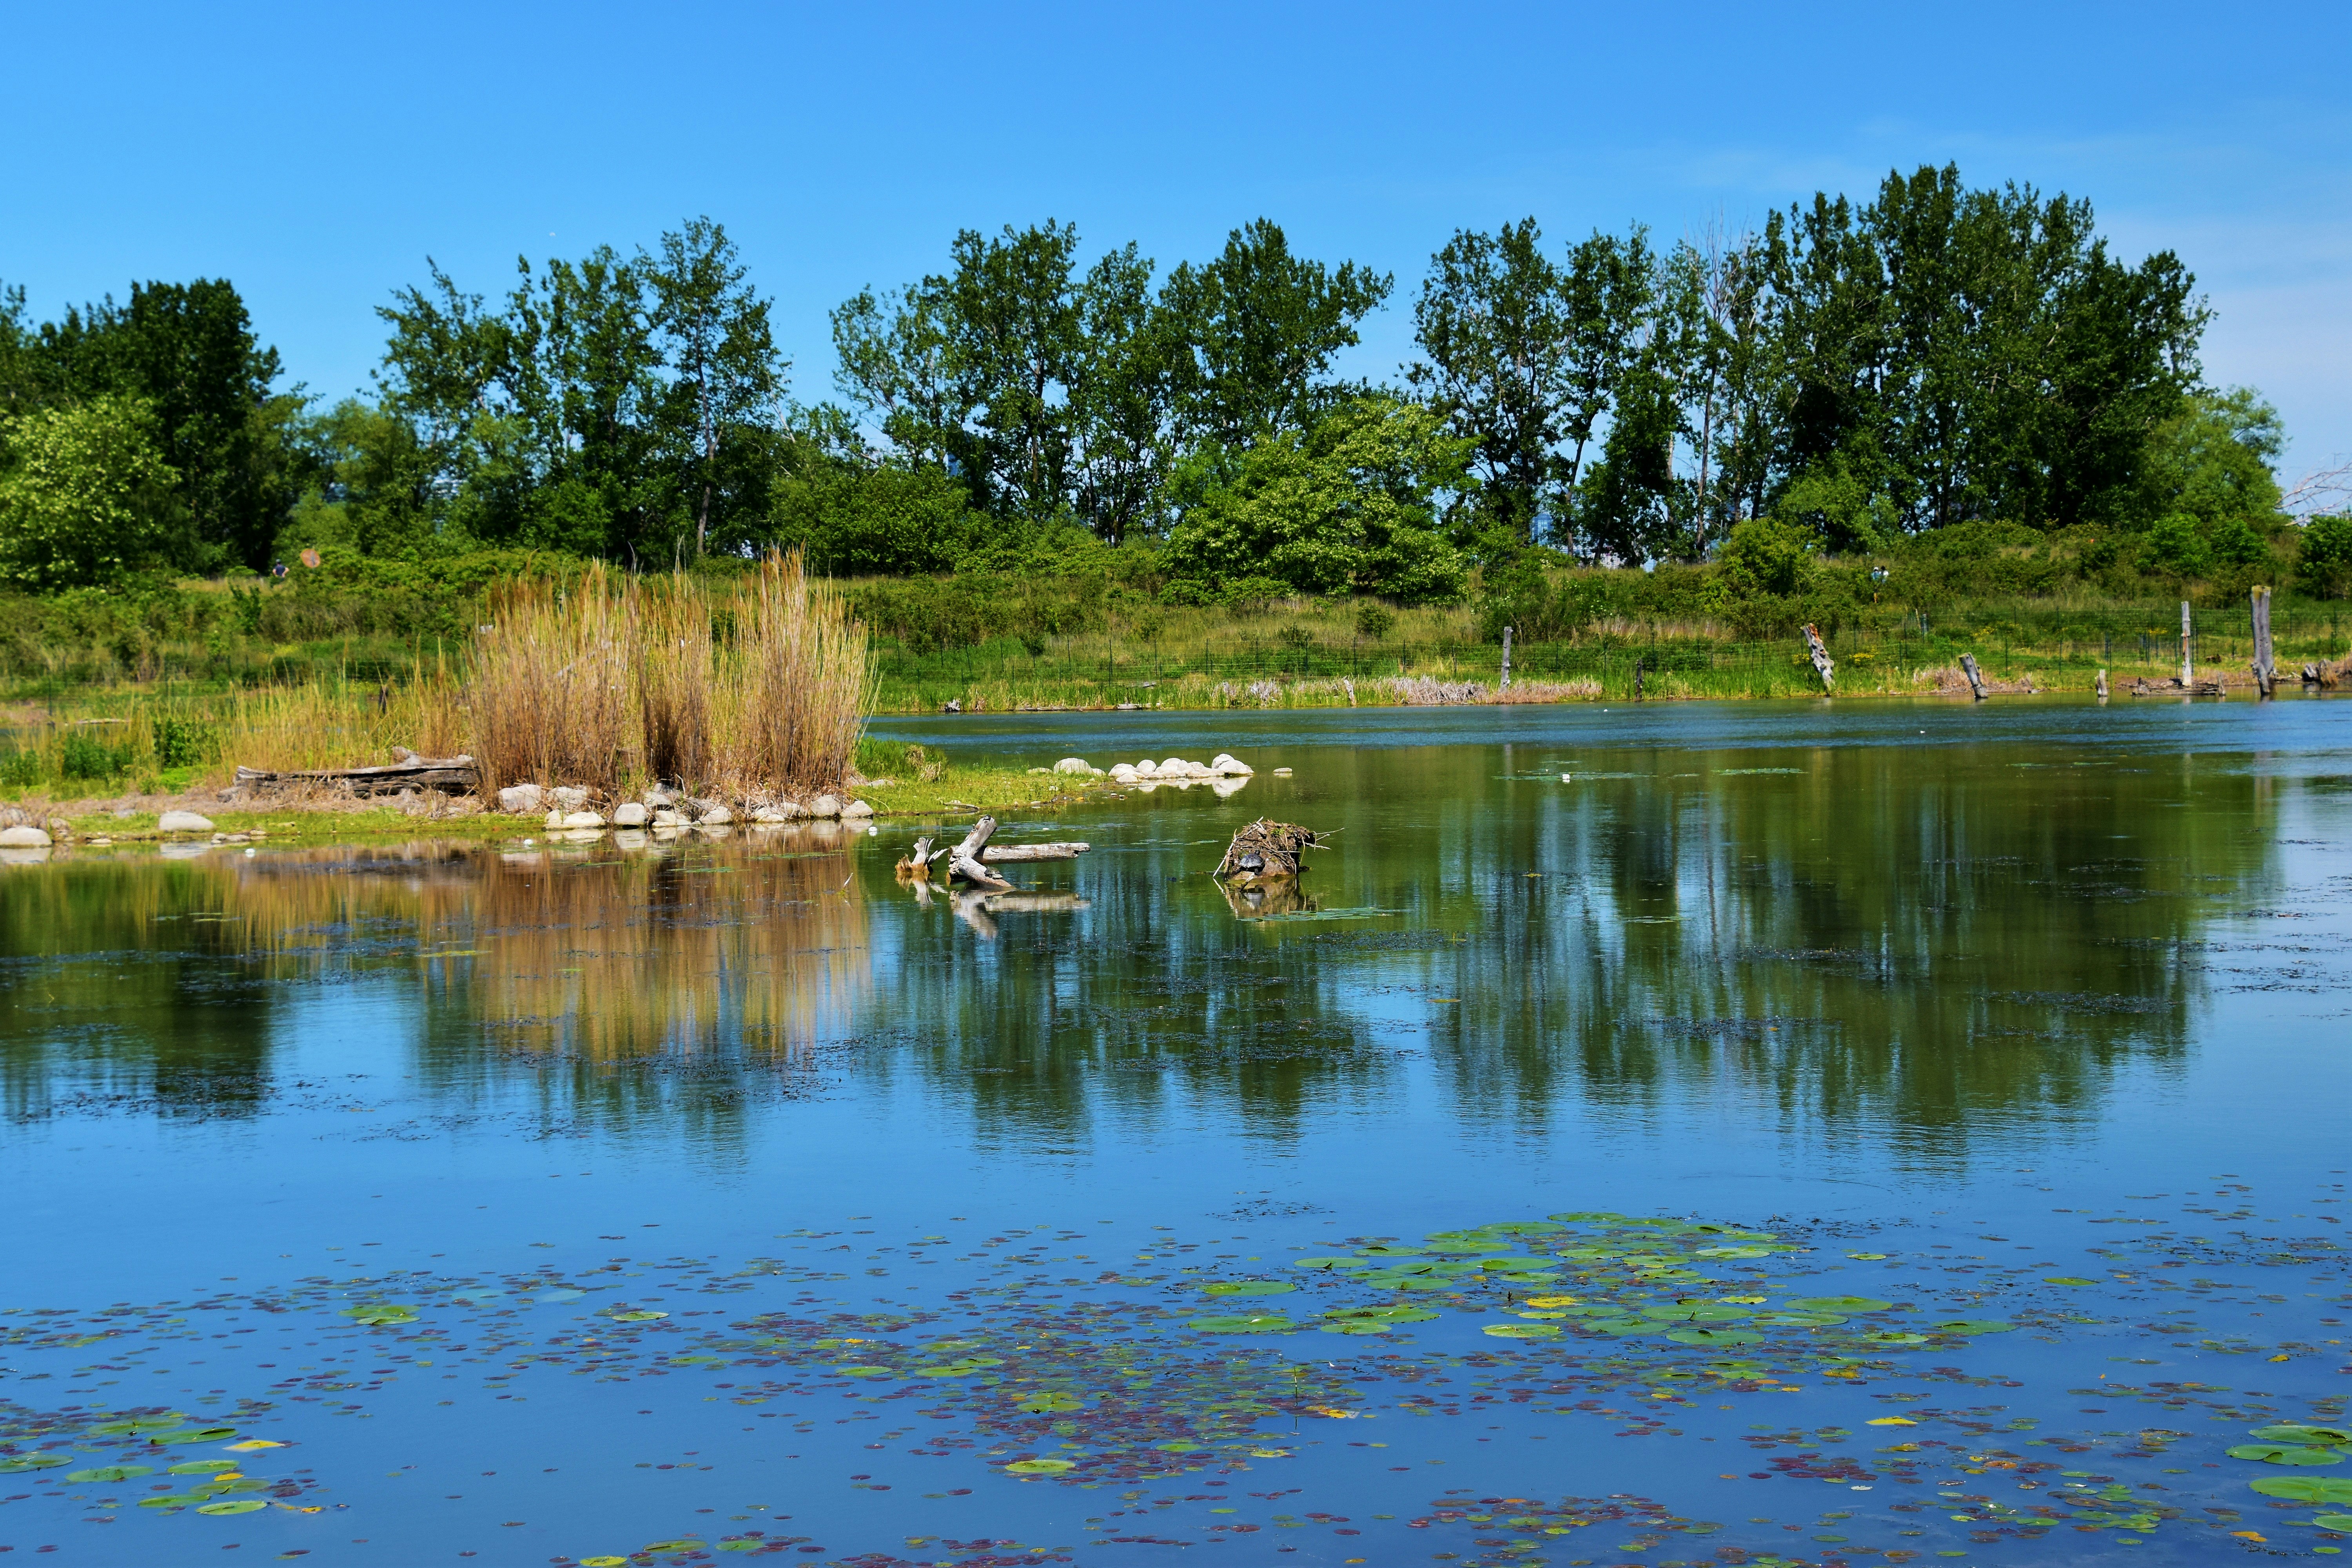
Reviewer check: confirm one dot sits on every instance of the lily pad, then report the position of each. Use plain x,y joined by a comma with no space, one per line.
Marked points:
234,1505
1736,1251
1048,1403
1799,1320
1040,1466
2296,1432
1392,1314
1518,1264
2334,1521
682,1545
1250,1324
32,1462
2307,1488
201,1468
1386,1251
1699,1313
1356,1326
2268,1453
140,1425
171,1502
1178,1446
110,1473
2068,1280
1325,1262
964,1366
637,1315
1973,1326
1523,1228
1590,1216
1726,1337
1522,1331
1247,1288
381,1315
1894,1339
1628,1325
864,1371
196,1435
1839,1304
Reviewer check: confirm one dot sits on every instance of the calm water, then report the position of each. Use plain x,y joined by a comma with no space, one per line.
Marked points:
1879,1133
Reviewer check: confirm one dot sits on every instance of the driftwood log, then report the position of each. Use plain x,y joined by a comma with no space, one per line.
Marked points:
1819,653
451,776
1976,676
916,865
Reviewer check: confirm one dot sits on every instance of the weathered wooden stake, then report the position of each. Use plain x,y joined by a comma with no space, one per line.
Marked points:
1507,659
1976,677
2188,655
2103,686
1821,655
1637,676
2265,672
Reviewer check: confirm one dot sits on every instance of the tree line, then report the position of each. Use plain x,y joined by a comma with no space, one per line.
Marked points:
1852,373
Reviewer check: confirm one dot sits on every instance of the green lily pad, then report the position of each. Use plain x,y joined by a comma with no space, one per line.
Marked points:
682,1545
201,1468
1628,1325
962,1366
196,1435
2268,1453
1517,1265
1040,1466
1973,1326
638,1315
110,1473
1522,1331
1699,1313
1387,1251
1736,1251
1392,1314
2296,1432
171,1502
1457,1249
1178,1446
1523,1228
32,1462
2307,1488
380,1315
1356,1326
1048,1403
140,1425
1891,1338
1702,1336
2068,1280
1839,1304
2334,1521
1409,1281
864,1371
234,1505
1325,1262
1250,1324
1248,1287
1798,1319
1590,1216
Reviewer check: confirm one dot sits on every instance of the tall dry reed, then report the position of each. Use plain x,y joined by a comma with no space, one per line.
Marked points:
795,681
670,622
552,682
336,723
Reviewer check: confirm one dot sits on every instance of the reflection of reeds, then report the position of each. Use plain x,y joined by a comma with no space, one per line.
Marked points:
551,685
796,680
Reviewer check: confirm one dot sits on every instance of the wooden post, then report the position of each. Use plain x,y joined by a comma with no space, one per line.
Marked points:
2265,672
2188,649
1637,677
1821,655
963,860
1976,677
2103,686
1507,659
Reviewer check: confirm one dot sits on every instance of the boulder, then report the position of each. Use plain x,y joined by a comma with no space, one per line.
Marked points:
1145,769
23,838
715,815
184,822
657,797
1176,765
583,819
568,798
669,819
775,816
628,814
554,819
522,799
857,808
1073,766
824,805
1199,771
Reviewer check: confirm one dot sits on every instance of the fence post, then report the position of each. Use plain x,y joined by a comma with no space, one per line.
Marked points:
2264,671
1507,659
2188,649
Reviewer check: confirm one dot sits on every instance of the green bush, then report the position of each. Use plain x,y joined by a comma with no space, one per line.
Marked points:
82,755
2327,566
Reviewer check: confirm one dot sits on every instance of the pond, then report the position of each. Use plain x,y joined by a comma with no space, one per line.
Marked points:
1694,1135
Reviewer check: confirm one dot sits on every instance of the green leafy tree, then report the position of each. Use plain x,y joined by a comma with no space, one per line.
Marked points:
1767,556
1355,504
2175,546
85,494
2214,458
720,409
2327,565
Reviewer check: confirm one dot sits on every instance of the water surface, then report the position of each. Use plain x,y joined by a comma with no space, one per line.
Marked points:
1918,1133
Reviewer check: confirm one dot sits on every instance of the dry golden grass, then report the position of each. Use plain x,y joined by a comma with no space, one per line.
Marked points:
796,683
551,685
670,626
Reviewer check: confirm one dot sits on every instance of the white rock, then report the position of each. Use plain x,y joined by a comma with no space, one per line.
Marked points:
824,805
774,816
580,819
1199,771
184,822
715,815
568,798
554,819
1145,769
668,819
857,808
1282,772
628,814
1231,768
1176,765
522,799
1073,766
23,838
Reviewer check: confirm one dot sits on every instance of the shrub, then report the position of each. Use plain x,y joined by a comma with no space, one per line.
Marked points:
2326,567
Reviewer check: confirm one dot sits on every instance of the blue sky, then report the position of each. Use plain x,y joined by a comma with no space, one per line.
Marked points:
317,154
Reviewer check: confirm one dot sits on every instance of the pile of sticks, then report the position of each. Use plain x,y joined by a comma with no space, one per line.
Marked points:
1266,850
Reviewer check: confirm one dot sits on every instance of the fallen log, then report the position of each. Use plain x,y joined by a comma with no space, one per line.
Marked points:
963,860
452,775
1820,654
1002,854
1976,676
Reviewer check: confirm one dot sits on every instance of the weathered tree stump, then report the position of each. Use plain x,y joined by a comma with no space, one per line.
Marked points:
1976,677
1819,653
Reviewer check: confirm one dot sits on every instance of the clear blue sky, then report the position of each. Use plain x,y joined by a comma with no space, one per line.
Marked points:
316,154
